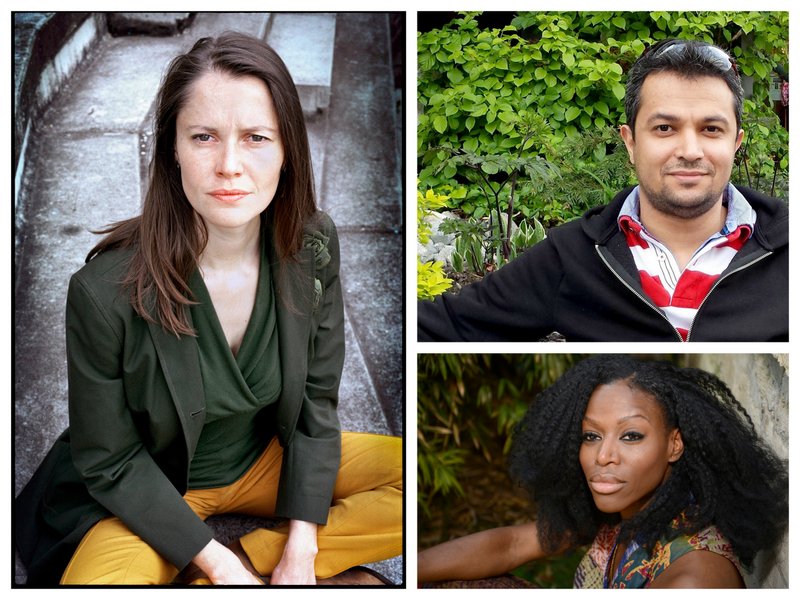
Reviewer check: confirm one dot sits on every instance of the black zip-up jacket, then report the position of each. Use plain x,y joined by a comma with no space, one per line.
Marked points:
581,281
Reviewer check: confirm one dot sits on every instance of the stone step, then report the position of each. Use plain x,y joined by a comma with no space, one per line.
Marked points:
148,23
305,42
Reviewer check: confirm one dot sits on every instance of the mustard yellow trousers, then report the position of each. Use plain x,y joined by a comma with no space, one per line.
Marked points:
364,522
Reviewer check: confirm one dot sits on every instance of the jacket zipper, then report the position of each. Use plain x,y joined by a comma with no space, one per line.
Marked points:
657,310
718,281
637,294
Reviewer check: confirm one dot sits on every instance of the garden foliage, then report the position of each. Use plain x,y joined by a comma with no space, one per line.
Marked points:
431,280
465,401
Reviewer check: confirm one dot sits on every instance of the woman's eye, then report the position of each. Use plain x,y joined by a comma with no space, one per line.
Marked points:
632,436
202,137
589,436
258,138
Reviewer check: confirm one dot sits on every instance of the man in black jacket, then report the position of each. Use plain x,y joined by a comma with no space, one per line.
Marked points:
683,256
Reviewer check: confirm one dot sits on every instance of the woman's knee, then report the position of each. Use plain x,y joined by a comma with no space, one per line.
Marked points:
370,461
111,554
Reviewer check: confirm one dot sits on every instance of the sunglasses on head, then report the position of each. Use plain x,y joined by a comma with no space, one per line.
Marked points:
716,56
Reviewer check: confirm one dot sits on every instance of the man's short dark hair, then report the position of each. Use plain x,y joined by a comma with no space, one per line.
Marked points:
687,58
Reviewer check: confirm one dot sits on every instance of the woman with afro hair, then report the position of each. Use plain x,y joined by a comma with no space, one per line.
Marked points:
658,468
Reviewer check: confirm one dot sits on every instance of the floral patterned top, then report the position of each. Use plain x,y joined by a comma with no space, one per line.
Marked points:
638,568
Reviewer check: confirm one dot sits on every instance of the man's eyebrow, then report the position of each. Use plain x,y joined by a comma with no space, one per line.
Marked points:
670,118
662,116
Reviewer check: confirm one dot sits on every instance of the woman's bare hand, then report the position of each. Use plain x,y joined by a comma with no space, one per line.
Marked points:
297,563
223,567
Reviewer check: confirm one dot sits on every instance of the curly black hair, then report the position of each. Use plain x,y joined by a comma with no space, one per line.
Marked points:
726,476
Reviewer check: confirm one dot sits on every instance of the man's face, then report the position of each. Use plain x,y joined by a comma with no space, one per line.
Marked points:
685,142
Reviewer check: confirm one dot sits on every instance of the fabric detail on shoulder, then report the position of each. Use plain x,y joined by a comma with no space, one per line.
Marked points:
638,568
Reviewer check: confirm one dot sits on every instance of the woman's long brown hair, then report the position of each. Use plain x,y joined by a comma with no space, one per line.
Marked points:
167,238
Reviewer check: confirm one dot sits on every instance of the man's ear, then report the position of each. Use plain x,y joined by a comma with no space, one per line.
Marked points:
739,138
627,136
676,446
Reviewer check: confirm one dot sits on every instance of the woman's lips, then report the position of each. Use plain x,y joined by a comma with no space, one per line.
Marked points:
605,484
229,196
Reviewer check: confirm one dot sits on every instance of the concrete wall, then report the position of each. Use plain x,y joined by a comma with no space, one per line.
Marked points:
761,384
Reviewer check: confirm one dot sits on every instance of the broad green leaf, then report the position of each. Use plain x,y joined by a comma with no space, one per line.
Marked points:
489,168
455,75
478,111
572,113
509,141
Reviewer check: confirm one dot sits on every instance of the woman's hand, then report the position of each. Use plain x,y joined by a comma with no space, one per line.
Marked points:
297,563
223,567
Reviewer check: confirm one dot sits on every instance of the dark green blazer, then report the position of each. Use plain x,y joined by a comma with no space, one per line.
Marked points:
136,409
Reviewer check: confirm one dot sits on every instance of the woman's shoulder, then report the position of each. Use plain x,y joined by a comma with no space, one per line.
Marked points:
702,559
319,235
103,275
710,538
107,265
319,222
